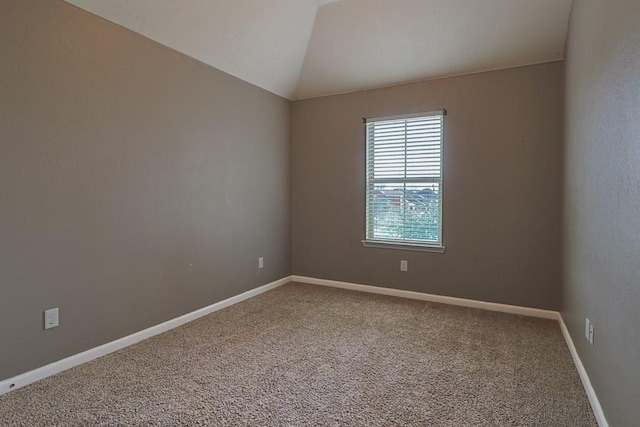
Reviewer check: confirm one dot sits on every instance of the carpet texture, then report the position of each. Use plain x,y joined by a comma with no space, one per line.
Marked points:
309,355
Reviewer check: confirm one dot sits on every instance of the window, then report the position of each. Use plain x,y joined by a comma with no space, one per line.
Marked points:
404,181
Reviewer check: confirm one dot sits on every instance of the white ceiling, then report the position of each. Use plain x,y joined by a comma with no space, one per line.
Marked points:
305,48
359,44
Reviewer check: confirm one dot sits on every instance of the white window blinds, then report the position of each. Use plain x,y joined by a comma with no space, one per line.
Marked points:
404,179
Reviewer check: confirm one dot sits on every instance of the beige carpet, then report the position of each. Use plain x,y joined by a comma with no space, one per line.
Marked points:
309,355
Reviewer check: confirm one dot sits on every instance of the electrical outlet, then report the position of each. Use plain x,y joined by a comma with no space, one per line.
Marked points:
587,328
260,262
588,331
404,265
51,319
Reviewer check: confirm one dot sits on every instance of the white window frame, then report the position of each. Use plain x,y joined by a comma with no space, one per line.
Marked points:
405,244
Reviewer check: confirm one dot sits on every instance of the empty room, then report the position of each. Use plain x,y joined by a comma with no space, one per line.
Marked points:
320,212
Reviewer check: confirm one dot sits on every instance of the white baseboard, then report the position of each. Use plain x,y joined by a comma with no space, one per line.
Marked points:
91,354
492,306
586,382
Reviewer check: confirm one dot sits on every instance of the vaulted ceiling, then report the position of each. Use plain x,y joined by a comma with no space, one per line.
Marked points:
306,48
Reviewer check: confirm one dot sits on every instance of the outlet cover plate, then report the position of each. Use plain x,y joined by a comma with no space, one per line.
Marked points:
51,319
587,328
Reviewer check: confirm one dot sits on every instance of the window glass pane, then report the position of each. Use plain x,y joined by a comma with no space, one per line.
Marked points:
408,211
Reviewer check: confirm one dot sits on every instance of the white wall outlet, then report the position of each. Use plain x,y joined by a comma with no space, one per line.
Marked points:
588,331
51,319
404,265
260,262
587,328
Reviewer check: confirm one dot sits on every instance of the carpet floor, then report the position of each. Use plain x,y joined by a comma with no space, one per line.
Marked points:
308,355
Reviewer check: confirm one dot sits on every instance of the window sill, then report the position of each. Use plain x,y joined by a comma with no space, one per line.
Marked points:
383,244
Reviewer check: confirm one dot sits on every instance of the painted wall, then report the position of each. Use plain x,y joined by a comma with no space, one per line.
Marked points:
502,187
136,184
602,201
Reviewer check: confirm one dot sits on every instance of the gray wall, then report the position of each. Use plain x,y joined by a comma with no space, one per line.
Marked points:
602,203
136,184
502,187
